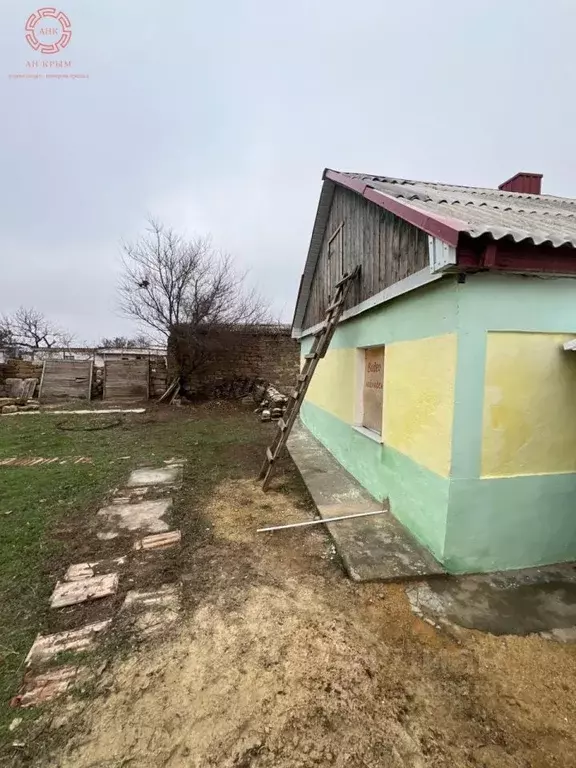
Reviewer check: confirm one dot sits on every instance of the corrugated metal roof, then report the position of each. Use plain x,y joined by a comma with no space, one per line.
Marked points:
537,218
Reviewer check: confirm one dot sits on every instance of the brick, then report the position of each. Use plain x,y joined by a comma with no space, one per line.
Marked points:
81,571
159,541
39,689
74,592
48,646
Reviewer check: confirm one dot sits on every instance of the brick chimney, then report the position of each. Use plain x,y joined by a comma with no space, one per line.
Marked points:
527,183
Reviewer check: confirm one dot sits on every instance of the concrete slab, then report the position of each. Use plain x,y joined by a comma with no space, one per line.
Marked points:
154,611
374,548
144,516
127,495
171,475
534,600
159,541
75,592
46,647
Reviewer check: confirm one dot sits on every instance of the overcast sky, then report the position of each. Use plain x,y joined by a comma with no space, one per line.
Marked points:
220,117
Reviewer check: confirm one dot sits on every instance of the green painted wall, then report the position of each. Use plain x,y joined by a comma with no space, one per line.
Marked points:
507,522
468,522
510,522
418,497
428,311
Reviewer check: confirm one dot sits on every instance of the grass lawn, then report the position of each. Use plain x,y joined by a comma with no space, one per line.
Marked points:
41,507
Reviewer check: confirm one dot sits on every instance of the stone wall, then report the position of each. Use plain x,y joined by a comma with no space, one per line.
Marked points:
206,360
19,369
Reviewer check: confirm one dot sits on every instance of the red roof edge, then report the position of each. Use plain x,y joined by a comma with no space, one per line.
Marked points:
447,230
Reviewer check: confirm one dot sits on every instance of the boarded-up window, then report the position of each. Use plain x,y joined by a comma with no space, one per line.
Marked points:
372,396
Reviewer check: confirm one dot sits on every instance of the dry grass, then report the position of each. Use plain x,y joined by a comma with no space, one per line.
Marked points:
283,662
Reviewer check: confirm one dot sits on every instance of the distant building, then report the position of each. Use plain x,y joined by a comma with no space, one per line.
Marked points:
99,355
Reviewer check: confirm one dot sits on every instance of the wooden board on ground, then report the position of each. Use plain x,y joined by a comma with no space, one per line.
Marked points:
126,379
66,380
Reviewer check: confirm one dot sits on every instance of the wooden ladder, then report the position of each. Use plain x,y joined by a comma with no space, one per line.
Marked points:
318,350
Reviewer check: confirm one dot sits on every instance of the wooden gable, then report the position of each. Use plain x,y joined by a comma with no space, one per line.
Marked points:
359,232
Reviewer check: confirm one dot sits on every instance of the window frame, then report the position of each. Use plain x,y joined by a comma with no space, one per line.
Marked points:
359,399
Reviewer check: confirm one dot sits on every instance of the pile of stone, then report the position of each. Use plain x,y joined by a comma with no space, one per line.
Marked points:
18,395
272,403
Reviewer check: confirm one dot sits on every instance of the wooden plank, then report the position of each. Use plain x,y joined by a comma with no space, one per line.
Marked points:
41,382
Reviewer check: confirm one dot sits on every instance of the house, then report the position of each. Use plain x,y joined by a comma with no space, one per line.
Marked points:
446,387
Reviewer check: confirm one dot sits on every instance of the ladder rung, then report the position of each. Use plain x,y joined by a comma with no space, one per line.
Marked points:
281,424
302,376
296,394
335,305
343,279
310,356
348,276
270,455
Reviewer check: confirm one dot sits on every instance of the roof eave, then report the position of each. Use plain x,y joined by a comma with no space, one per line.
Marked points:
322,213
446,229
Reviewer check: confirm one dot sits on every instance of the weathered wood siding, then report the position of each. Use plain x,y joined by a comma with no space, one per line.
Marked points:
126,379
359,232
66,380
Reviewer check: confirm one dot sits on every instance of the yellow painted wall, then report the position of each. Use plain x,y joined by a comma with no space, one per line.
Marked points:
333,386
529,405
419,379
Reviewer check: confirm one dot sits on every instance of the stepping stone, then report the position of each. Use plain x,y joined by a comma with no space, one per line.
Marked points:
82,571
48,646
171,475
144,516
39,689
159,541
153,611
74,592
127,495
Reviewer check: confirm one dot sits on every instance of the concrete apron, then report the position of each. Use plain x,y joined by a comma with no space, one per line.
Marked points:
376,548
528,601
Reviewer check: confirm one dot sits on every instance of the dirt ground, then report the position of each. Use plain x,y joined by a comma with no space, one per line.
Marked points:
281,661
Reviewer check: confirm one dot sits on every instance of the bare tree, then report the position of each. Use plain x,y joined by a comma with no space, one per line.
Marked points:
29,328
169,281
124,342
